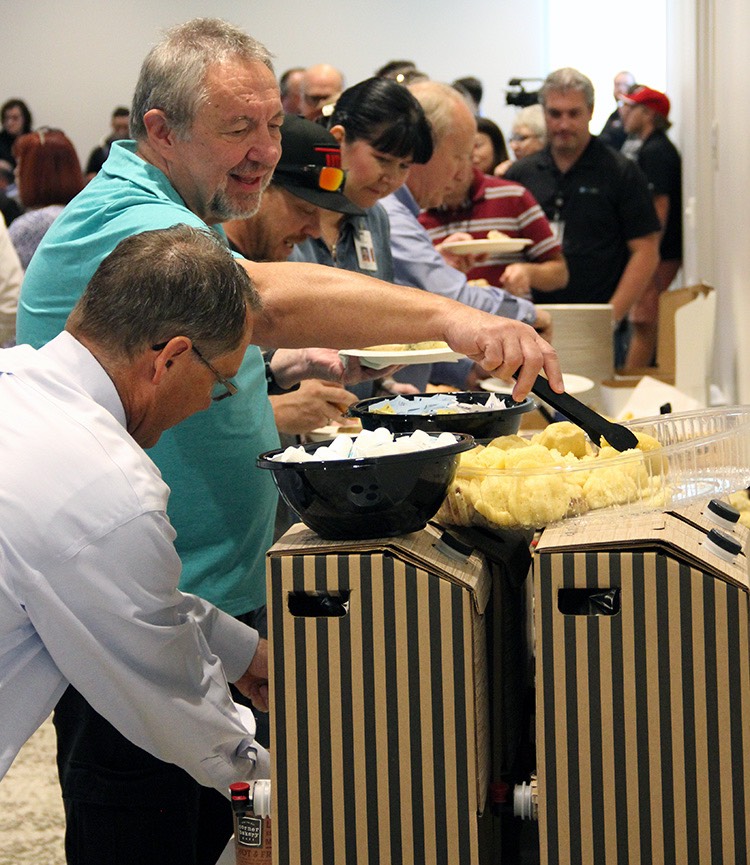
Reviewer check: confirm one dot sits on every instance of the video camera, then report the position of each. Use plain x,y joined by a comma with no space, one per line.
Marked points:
519,95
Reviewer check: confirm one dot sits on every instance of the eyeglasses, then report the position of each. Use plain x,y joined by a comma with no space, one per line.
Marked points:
521,138
324,177
229,387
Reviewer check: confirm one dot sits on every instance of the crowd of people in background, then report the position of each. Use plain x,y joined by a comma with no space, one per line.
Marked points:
624,273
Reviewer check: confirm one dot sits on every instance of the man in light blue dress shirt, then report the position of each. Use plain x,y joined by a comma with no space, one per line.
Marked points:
416,261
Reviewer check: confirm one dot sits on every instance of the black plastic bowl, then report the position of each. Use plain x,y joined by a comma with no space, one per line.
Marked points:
483,425
367,497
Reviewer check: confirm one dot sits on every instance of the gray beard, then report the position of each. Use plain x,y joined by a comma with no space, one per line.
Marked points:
222,210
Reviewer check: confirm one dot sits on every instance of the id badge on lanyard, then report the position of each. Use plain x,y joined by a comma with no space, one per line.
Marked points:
365,250
558,224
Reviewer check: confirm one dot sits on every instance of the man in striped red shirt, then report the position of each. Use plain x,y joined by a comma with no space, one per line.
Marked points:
481,204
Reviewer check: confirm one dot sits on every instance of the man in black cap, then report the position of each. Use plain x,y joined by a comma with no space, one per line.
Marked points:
308,178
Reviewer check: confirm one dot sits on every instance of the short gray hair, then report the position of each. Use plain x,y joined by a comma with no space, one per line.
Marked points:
153,286
173,75
532,117
567,79
438,102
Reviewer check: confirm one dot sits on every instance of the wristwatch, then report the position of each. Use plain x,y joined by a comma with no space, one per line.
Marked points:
273,387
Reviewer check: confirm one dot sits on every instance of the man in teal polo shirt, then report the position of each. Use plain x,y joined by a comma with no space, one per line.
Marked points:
206,121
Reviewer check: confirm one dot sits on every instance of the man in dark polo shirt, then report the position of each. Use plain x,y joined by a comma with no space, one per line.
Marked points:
596,200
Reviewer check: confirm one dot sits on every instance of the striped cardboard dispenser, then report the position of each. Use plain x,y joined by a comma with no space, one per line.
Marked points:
643,695
380,719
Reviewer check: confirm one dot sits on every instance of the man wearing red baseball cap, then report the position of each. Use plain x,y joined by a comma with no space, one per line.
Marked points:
654,100
646,117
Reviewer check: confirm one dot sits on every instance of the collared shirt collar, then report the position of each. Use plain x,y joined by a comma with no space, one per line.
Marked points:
125,163
583,159
89,373
403,194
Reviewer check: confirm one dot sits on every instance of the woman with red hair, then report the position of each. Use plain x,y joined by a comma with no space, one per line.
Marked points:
48,176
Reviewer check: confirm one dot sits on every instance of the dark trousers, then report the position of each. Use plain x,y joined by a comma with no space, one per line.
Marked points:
124,806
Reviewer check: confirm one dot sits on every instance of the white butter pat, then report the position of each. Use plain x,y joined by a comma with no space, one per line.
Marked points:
368,443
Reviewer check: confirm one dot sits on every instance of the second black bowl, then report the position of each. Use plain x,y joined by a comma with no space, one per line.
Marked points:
483,425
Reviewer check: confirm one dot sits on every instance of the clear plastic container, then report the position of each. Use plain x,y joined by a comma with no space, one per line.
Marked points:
707,451
703,454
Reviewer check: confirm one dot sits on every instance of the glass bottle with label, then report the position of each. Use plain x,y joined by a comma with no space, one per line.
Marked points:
251,805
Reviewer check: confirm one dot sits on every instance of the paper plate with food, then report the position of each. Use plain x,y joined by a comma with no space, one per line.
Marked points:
495,242
402,354
344,426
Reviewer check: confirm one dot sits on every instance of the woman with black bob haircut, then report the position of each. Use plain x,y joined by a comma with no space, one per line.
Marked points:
384,114
382,130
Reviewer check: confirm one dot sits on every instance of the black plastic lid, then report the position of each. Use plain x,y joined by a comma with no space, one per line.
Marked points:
724,510
724,542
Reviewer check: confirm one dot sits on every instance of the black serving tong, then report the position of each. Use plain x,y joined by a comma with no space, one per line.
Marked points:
593,424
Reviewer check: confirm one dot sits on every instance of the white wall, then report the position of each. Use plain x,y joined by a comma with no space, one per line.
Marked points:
614,38
709,68
74,61
729,133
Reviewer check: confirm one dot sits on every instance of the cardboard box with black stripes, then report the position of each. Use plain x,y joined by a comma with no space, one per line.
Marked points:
380,739
643,694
